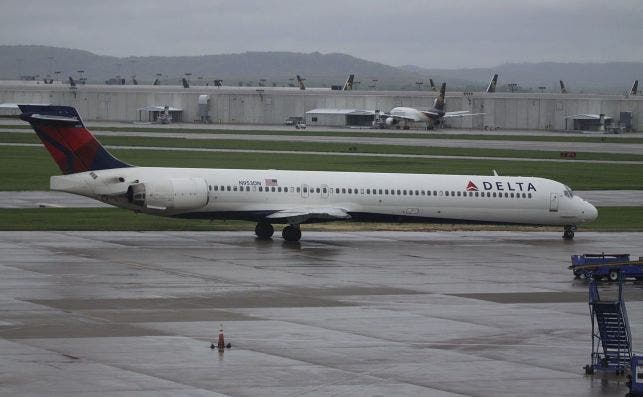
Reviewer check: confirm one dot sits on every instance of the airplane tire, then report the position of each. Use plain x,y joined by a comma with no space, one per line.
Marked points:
264,230
568,234
613,275
291,233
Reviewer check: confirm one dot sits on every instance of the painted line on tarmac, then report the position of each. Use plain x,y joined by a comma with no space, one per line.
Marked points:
389,155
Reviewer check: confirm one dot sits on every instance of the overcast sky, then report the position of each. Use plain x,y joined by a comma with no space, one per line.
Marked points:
446,33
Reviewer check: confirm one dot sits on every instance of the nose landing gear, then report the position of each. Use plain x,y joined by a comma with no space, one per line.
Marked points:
568,232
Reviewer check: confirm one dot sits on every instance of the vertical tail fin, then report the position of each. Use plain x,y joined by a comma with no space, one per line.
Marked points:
492,84
438,103
301,83
563,89
432,85
348,85
63,133
635,88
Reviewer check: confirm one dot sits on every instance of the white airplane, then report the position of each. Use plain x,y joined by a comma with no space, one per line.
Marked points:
295,197
403,116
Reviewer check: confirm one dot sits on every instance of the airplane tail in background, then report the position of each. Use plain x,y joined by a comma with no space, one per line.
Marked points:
492,84
432,85
635,88
301,83
349,83
63,133
563,89
438,103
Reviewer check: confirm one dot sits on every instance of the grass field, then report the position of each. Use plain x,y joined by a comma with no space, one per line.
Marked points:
111,219
330,147
366,133
29,168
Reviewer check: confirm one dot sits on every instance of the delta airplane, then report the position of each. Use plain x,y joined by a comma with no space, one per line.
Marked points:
406,115
295,197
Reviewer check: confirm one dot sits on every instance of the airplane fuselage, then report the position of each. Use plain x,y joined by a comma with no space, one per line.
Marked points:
254,194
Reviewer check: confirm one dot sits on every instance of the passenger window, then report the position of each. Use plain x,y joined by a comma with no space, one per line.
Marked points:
423,192
272,189
410,192
435,192
279,189
216,188
446,193
285,190
234,188
494,194
512,195
380,191
368,191
247,188
318,190
323,190
417,192
506,195
350,190
260,189
344,190
428,192
305,190
337,190
210,187
385,191
298,189
476,194
355,191
399,192
229,188
529,195
459,194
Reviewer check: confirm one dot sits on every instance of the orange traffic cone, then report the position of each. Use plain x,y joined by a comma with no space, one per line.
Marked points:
221,343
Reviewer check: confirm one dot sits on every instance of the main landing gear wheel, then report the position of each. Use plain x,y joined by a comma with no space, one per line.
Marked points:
291,233
264,230
568,233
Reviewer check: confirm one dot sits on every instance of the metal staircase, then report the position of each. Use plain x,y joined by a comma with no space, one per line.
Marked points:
611,338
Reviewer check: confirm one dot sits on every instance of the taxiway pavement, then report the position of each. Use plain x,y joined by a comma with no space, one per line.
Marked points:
363,313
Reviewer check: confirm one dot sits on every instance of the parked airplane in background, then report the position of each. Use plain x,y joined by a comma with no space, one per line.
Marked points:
348,85
635,88
300,81
404,116
563,89
295,197
492,84
433,87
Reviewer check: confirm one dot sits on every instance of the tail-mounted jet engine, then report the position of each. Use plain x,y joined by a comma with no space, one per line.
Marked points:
174,193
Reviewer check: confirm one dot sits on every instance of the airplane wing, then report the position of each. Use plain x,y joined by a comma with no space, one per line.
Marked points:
460,113
302,215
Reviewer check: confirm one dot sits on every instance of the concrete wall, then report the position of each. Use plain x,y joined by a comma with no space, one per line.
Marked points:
249,105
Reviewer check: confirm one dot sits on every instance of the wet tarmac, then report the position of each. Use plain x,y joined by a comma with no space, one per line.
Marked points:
364,313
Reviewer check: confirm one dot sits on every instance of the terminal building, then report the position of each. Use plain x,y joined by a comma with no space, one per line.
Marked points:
324,107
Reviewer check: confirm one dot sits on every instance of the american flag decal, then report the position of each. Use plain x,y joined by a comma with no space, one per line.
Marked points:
471,187
271,182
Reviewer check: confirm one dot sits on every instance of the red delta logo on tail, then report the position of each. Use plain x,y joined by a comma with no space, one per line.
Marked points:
64,135
471,187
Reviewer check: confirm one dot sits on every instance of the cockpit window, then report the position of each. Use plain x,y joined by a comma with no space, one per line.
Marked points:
568,192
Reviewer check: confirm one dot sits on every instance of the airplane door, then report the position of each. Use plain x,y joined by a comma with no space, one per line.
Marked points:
304,191
553,202
324,191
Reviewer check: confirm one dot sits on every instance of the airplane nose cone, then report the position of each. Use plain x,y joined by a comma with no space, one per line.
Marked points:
590,213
